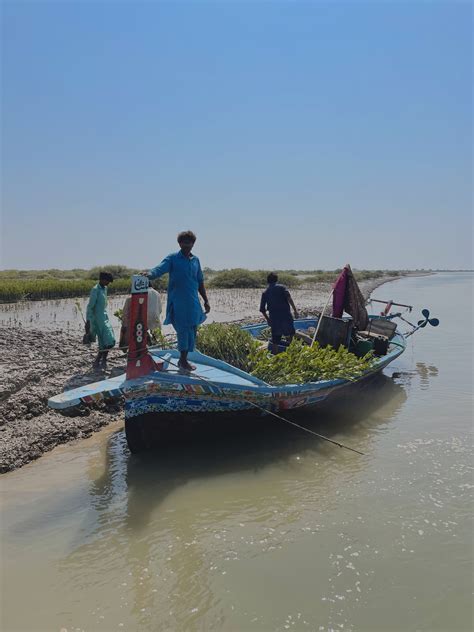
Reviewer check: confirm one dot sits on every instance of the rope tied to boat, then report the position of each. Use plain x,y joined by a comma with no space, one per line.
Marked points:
316,434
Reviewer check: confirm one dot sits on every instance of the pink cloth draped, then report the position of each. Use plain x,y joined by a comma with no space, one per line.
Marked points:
347,297
339,293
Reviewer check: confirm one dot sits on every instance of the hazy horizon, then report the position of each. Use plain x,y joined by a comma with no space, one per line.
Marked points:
299,270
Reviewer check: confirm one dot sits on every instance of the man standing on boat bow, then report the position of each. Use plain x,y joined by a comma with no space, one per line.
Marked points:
183,308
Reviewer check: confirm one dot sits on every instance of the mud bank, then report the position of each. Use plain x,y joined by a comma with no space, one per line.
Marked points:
36,364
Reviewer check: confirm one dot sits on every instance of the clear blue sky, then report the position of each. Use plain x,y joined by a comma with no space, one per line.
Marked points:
285,134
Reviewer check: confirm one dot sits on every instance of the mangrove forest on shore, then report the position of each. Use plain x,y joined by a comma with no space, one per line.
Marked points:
35,285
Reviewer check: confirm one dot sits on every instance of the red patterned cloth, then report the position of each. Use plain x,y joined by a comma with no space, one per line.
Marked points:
339,293
347,297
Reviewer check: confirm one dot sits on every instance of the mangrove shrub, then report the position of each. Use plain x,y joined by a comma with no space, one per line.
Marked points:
228,343
301,363
242,278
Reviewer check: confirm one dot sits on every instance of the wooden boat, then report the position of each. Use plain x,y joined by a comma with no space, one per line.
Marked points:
155,390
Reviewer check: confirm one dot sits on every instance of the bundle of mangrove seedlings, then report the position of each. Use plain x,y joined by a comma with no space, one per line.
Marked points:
301,363
228,343
265,334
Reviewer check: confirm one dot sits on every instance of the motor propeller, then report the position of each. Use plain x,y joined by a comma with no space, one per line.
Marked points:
434,322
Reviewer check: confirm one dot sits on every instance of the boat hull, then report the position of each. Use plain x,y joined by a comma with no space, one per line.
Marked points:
159,427
204,399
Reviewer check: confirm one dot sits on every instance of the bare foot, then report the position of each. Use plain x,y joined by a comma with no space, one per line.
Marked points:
186,366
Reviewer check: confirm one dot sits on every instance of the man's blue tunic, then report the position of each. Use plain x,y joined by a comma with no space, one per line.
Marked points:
183,309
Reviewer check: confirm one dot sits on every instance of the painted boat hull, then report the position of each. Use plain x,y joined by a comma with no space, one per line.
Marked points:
164,427
208,392
203,398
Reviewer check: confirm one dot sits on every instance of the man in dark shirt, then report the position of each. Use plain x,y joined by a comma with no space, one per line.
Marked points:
277,300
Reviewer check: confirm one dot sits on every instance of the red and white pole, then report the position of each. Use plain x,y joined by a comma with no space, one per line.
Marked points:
139,360
387,309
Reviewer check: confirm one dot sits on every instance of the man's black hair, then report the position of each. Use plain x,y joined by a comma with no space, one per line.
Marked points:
272,277
106,276
186,235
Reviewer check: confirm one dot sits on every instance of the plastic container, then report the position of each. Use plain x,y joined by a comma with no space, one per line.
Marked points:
363,347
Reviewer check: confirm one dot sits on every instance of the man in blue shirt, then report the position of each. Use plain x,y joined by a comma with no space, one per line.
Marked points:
183,309
277,300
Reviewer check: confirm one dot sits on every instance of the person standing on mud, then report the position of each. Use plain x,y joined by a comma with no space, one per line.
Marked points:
183,308
277,300
97,320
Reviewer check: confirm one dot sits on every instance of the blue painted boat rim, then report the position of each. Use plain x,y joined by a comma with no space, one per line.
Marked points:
300,323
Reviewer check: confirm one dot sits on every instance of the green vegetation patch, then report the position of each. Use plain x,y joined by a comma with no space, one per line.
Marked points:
49,289
228,343
242,278
324,276
301,363
13,290
17,285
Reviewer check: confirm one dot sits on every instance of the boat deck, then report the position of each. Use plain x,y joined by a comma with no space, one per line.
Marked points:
206,371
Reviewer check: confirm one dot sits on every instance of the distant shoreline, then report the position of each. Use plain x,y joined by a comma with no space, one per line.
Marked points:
49,285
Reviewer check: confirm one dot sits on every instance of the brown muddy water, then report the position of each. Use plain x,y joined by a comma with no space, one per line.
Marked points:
275,530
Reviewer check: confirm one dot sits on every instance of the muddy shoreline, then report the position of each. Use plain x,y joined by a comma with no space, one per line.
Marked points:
36,364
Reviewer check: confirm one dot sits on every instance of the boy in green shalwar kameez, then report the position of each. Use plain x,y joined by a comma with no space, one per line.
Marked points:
97,320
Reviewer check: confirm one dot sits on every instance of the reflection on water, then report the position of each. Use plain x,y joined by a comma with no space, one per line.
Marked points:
426,372
149,477
130,520
155,521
